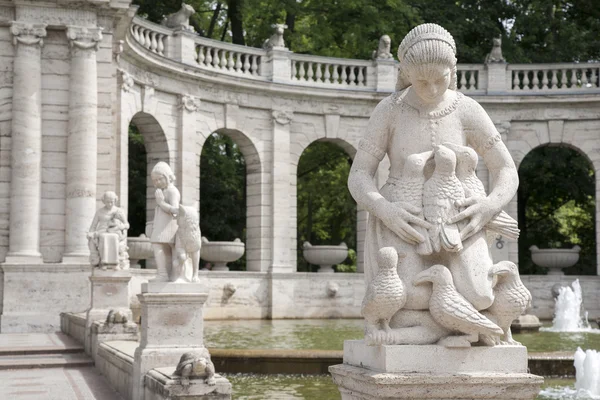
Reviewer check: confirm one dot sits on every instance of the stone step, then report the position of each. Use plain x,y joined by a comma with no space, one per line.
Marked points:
28,361
14,344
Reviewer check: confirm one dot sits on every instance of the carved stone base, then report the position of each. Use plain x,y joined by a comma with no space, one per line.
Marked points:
161,384
171,324
434,373
110,291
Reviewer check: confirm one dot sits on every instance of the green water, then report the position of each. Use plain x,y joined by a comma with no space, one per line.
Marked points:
329,334
311,387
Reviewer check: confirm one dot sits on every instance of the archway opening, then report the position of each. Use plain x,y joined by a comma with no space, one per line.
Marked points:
326,212
556,206
137,170
223,193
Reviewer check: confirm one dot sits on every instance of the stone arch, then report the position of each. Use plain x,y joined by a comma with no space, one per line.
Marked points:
520,155
361,215
157,149
256,204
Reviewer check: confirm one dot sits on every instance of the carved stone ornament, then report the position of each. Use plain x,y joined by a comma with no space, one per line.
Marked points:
117,50
26,33
283,117
383,51
189,103
126,81
84,38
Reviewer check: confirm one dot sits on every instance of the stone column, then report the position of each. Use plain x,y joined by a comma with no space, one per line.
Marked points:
280,172
82,143
26,147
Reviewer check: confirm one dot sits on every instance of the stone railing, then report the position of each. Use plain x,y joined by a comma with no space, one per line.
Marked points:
283,66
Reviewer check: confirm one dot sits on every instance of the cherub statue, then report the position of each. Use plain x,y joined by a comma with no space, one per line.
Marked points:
424,211
495,55
188,243
383,52
107,236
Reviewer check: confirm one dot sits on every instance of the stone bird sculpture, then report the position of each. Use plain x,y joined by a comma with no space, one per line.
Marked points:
413,180
384,296
440,194
511,300
196,365
466,163
452,311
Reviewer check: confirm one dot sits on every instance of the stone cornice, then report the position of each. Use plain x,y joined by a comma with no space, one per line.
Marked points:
84,38
28,33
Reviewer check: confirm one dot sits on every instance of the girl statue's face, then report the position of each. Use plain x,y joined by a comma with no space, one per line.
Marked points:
430,81
160,181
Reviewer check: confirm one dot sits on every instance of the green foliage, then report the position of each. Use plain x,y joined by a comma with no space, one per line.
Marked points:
223,192
137,173
326,210
557,206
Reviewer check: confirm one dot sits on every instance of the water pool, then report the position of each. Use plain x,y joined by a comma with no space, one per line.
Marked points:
329,334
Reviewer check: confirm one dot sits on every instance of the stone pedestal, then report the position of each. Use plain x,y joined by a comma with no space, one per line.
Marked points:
434,373
161,384
171,324
110,291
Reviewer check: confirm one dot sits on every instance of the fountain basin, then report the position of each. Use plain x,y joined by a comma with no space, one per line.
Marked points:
325,256
140,248
221,253
555,259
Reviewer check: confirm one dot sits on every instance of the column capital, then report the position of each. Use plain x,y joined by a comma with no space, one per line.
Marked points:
28,33
84,38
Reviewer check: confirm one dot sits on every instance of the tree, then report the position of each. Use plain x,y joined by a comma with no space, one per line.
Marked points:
223,192
326,210
556,206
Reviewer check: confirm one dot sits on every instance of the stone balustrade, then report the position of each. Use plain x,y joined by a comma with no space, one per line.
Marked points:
283,66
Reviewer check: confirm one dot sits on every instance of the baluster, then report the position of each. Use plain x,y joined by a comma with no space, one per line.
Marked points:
217,58
230,63
471,81
526,80
200,57
344,77
223,59
301,73
309,71
563,79
516,81
360,78
594,78
294,71
573,79
246,66
545,79
153,42
319,73
161,44
554,81
463,80
238,62
584,78
536,80
142,35
336,75
352,77
209,57
255,68
135,32
327,76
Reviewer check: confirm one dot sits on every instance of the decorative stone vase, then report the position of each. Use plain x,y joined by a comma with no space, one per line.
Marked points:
555,259
221,253
325,256
140,248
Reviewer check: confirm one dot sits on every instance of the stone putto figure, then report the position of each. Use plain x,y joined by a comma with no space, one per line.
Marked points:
175,233
180,19
429,214
383,52
276,39
107,236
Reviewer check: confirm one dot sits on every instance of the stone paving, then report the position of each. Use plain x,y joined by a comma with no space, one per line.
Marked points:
21,378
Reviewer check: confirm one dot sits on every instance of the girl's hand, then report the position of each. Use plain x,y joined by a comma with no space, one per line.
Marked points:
160,197
399,216
479,210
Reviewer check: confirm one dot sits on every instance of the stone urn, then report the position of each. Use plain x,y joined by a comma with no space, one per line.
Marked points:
555,259
140,248
221,253
325,256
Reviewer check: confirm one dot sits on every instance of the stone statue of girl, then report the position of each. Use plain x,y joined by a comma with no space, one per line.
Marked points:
427,111
164,227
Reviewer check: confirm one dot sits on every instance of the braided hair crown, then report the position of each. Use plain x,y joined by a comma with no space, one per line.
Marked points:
426,44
